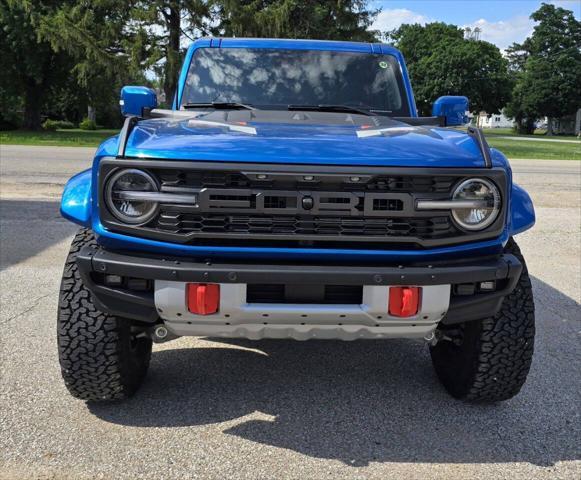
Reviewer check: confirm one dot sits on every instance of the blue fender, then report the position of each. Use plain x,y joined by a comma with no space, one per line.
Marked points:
76,199
522,211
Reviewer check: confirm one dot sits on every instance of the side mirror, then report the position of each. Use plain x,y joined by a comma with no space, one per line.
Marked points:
452,108
135,99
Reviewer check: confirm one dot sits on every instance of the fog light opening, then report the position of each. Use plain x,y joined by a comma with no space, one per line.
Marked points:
404,301
203,298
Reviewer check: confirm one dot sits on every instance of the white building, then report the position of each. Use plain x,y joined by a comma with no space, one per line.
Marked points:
568,125
495,120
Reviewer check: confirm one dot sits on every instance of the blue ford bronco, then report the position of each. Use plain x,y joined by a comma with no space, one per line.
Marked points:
293,192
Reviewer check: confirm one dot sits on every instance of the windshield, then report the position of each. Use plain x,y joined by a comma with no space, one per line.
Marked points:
278,78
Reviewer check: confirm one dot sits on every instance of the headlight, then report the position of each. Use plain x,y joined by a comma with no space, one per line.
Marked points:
482,200
130,195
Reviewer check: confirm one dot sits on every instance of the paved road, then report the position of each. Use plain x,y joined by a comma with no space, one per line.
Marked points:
214,409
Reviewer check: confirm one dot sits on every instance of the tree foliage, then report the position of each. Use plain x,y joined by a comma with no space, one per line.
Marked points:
416,41
548,69
98,36
441,62
160,25
30,67
317,19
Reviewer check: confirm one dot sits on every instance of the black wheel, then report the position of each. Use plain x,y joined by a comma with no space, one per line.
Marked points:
101,359
489,360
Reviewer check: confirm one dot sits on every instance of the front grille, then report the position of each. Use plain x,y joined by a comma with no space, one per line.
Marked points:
256,205
186,223
417,184
201,179
399,183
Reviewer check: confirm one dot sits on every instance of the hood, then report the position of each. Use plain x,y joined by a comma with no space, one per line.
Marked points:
285,137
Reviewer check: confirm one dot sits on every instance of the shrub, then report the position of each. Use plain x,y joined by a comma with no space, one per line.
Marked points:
87,124
65,125
54,124
49,125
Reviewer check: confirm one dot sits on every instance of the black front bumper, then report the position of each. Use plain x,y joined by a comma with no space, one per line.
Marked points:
139,305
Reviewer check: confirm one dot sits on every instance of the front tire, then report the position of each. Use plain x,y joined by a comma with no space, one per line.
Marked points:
489,360
101,359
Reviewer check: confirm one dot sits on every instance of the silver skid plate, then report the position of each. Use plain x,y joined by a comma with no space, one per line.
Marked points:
237,318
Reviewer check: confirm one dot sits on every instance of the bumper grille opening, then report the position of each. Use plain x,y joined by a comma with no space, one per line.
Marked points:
186,223
129,284
289,294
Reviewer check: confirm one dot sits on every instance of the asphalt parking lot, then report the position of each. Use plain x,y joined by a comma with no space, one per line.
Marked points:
278,409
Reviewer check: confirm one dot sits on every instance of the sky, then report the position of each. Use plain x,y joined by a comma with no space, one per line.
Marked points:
502,21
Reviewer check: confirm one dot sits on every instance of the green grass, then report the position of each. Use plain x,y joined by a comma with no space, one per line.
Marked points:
536,150
508,132
59,138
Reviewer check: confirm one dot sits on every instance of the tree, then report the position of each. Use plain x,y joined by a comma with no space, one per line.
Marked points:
549,67
30,66
524,116
317,19
517,55
442,62
416,41
161,24
99,37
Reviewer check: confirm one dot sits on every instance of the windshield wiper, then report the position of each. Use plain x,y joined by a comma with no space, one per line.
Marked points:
220,105
332,108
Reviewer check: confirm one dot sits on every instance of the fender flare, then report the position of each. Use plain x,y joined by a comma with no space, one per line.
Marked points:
76,199
522,211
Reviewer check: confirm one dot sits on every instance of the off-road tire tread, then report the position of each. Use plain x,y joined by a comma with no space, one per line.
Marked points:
95,362
503,351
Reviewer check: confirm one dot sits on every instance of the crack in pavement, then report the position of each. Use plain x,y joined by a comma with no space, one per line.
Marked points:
29,309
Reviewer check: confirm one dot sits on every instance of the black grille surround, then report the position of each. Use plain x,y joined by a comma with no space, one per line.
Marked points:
270,205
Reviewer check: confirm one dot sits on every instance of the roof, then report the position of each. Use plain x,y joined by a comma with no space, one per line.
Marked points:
290,44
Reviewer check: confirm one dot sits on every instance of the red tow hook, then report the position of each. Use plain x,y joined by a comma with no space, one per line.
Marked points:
203,298
404,301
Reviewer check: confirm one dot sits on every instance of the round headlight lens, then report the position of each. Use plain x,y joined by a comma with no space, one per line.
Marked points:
127,207
486,195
